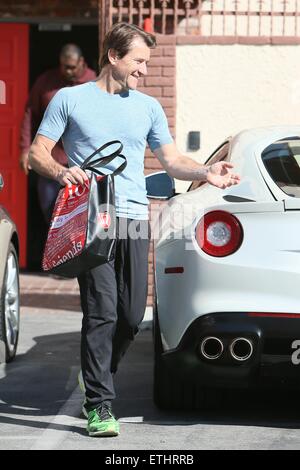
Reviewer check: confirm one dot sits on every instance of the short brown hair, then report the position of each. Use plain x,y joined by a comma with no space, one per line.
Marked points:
120,38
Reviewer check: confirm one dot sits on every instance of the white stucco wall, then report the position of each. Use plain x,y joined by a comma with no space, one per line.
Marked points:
224,89
243,24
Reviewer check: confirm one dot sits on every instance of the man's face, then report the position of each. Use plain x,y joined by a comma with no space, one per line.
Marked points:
71,67
128,70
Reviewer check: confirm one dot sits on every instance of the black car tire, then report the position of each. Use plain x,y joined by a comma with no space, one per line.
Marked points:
10,350
172,392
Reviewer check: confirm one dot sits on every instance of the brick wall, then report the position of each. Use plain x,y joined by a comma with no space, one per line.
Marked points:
161,84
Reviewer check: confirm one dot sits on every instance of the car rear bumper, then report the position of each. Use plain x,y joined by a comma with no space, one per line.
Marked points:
274,359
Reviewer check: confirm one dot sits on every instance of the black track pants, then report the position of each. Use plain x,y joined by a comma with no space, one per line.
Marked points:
113,301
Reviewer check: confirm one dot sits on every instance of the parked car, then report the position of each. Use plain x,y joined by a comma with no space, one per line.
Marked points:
227,276
9,284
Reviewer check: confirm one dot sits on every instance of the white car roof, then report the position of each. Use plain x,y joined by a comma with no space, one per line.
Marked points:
246,149
257,139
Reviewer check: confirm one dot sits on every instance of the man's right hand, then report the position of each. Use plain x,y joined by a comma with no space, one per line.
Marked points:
72,175
24,162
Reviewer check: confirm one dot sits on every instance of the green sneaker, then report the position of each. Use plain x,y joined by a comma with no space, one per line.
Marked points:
101,422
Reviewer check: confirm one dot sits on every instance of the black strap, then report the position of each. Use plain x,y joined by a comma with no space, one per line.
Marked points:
102,161
114,172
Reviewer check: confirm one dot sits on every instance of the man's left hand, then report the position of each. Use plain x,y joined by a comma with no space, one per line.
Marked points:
220,175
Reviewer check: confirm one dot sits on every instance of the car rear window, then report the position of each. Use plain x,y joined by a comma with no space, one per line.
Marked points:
282,161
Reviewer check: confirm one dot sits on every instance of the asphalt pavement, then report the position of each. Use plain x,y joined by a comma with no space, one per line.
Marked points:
40,401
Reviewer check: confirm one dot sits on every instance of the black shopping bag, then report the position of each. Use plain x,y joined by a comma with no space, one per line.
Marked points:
82,231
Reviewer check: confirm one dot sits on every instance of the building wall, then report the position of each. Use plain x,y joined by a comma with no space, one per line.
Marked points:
161,84
222,89
271,18
49,9
218,89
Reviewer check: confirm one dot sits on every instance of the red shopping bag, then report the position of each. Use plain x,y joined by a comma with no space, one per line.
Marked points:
82,231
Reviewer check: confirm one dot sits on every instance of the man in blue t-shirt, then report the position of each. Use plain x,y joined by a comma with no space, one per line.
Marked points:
113,295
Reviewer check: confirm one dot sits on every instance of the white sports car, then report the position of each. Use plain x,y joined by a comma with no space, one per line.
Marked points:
227,275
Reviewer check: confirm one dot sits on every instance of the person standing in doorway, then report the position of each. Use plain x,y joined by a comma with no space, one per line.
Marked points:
72,70
113,295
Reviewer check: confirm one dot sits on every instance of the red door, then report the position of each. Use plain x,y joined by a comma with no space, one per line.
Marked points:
13,94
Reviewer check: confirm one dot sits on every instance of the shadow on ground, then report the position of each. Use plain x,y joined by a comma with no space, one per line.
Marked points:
53,296
54,301
134,383
38,383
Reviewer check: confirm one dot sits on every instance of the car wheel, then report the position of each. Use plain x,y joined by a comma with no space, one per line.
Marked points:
10,305
171,392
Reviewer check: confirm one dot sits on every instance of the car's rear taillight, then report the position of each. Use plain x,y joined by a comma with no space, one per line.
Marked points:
219,233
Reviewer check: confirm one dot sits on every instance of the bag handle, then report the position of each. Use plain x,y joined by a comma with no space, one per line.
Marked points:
113,173
102,161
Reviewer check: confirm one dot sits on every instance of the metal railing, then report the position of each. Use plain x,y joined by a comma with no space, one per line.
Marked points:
255,18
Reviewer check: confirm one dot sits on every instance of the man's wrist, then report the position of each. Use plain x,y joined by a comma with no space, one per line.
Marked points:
60,174
203,172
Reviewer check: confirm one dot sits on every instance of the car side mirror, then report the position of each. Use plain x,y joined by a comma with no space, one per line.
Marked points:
1,182
160,185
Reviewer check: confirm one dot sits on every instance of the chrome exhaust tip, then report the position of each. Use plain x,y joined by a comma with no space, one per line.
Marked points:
241,349
211,347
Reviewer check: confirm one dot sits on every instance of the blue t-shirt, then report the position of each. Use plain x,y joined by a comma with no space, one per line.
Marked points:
85,117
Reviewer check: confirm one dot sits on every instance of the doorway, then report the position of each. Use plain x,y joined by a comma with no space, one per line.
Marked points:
46,41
